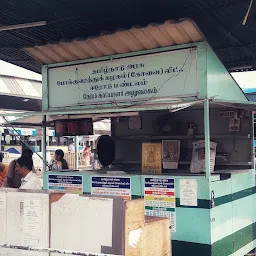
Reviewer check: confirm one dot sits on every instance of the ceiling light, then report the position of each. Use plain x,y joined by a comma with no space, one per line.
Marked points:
26,100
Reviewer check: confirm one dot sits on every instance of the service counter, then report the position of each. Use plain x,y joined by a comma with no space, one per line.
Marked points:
211,211
221,218
181,138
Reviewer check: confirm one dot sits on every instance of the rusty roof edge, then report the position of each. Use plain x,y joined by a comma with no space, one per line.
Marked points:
195,25
116,31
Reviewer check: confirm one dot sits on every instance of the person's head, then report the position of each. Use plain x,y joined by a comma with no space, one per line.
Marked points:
1,157
24,165
27,152
59,155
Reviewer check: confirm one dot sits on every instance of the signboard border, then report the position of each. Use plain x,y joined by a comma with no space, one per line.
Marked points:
162,50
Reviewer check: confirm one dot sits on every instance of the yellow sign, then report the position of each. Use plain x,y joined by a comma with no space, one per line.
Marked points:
152,158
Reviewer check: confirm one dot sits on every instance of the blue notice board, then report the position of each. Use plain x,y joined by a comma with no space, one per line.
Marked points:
111,186
69,183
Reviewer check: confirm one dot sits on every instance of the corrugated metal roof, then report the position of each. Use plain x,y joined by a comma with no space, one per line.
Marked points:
98,126
15,86
135,39
8,118
220,21
251,96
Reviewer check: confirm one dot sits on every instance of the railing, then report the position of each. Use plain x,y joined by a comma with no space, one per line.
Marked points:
70,158
50,250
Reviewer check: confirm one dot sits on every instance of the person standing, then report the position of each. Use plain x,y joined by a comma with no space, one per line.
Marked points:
13,178
87,156
29,179
71,146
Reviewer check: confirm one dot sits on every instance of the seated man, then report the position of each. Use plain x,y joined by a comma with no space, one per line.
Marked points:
13,179
29,179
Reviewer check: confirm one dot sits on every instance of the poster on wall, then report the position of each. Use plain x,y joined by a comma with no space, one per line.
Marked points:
68,183
128,79
111,186
234,124
198,156
152,158
159,196
170,153
188,192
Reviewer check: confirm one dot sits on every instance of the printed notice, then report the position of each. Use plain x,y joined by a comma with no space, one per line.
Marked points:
69,183
188,192
31,222
111,186
159,196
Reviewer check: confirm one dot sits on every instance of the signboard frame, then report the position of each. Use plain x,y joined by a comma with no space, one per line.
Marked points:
48,101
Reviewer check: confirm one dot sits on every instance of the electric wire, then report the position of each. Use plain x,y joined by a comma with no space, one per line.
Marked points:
16,134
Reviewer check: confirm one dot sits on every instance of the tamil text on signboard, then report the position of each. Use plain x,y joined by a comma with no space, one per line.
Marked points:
69,183
146,77
111,186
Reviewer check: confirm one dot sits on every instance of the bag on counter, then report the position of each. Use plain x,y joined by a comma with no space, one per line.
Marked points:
198,156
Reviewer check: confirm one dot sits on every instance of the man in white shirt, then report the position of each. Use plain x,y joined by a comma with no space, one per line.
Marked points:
29,180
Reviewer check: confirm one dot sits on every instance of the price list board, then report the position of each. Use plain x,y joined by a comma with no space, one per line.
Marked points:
159,196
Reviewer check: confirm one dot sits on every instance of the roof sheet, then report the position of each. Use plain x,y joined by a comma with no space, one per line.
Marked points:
219,20
15,86
134,39
98,126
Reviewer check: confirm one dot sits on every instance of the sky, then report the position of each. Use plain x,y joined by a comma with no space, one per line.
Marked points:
244,79
12,70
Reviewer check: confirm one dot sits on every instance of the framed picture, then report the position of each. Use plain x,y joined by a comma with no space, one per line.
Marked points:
171,154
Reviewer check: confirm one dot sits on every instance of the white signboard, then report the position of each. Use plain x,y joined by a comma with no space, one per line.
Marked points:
154,76
24,132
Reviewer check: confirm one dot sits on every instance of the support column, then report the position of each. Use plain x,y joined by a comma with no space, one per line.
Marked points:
76,142
44,134
207,138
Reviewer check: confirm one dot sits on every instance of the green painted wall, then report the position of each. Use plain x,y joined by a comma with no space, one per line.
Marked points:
192,223
228,228
220,83
233,228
